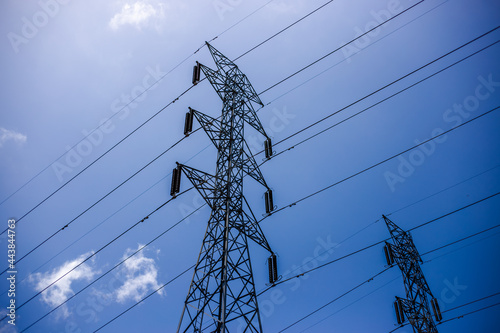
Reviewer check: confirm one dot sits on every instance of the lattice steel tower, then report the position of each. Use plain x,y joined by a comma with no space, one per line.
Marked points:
222,295
415,306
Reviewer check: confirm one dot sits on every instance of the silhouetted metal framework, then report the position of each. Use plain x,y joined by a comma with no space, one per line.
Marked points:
222,296
415,307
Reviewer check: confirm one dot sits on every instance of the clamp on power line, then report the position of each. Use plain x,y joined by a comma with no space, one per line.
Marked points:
272,263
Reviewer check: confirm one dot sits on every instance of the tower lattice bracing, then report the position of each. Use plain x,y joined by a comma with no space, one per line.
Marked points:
416,306
222,296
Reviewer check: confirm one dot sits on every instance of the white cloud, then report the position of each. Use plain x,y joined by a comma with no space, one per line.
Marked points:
138,14
140,274
62,290
6,135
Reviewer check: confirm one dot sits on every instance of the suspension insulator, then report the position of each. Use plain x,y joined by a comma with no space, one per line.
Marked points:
270,266
176,181
273,268
400,315
188,122
436,309
268,197
389,257
268,148
196,73
174,177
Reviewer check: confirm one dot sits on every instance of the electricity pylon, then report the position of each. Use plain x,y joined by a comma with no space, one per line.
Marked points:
222,295
415,306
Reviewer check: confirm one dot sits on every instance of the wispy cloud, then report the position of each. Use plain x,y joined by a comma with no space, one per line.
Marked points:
6,135
138,14
140,274
60,291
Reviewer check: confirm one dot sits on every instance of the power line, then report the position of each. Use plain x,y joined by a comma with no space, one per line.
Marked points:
339,48
121,184
306,272
335,299
393,82
114,267
96,252
146,89
143,299
162,154
379,242
94,204
348,305
365,248
472,302
359,51
461,247
316,134
98,225
278,142
461,316
284,29
102,198
374,222
93,162
366,281
462,239
469,313
455,211
317,192
381,162
315,76
445,189
436,249
330,127
235,24
410,229
157,113
95,129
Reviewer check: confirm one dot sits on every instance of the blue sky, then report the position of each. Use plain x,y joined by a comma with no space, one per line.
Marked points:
67,66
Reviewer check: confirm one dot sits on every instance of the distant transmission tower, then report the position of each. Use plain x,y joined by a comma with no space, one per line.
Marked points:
222,295
415,306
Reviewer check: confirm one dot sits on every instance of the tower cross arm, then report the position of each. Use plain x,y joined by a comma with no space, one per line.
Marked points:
204,183
210,125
